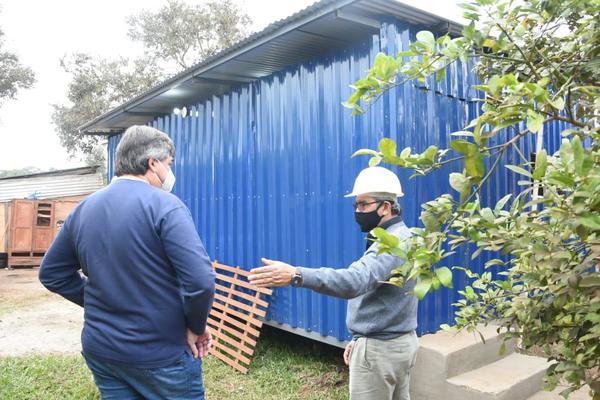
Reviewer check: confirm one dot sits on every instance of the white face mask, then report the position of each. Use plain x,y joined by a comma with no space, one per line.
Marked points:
169,181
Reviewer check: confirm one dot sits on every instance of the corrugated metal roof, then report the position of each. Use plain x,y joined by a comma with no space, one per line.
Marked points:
59,172
49,187
316,30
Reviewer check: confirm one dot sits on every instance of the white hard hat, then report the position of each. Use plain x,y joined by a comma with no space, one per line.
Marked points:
376,180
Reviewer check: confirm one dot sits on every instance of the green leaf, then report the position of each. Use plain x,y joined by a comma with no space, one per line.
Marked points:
445,276
590,220
561,179
427,38
462,133
578,155
440,74
421,288
473,157
474,163
494,262
387,147
430,221
386,238
500,205
487,214
409,53
590,281
462,146
365,152
405,153
489,43
519,170
493,84
458,182
430,152
468,6
541,163
558,103
535,121
374,161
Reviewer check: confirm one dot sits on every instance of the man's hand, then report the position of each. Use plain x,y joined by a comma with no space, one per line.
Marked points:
199,344
192,338
348,352
275,273
205,343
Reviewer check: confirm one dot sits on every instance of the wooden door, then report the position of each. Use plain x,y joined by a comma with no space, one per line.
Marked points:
21,238
43,230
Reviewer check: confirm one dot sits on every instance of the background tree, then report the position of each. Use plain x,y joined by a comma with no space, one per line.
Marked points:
176,35
97,86
186,34
13,75
538,62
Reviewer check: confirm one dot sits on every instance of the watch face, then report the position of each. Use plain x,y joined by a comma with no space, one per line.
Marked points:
296,280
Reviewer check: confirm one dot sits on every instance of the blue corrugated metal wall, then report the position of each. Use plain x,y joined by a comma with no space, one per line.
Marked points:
263,169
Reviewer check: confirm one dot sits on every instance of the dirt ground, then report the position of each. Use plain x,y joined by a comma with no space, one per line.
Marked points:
33,320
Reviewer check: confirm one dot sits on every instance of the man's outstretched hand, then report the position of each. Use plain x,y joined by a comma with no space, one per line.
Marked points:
273,274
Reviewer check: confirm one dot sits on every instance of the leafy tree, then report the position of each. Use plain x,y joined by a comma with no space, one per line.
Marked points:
97,86
13,76
186,34
177,34
538,62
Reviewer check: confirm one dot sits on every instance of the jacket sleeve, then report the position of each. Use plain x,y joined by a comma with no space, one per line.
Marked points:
192,266
59,271
360,277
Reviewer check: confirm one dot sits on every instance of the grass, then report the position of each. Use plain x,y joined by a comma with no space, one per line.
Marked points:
285,367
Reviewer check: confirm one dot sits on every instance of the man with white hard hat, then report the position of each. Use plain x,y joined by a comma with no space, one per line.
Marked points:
381,317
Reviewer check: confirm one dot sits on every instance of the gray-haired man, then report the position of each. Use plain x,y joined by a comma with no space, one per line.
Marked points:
382,318
150,283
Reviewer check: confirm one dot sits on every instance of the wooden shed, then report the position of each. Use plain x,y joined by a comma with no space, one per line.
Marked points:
33,208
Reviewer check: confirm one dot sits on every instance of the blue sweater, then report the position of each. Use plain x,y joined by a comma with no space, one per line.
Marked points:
148,275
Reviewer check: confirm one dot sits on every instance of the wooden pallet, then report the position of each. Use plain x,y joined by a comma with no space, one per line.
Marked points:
236,316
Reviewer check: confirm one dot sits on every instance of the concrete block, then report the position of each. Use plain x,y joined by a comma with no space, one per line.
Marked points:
446,354
515,377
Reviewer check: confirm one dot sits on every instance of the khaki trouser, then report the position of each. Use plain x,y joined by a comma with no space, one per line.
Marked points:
380,369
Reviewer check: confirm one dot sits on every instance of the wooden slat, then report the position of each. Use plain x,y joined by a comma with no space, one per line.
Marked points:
239,304
242,336
238,270
254,321
237,282
239,356
229,361
243,295
236,330
235,343
223,316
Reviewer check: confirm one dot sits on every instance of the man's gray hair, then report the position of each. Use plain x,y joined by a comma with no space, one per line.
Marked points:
390,198
139,144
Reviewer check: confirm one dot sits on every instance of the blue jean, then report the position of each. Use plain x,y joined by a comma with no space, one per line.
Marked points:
181,380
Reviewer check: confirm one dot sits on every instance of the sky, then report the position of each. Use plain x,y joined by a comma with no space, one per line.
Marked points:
40,32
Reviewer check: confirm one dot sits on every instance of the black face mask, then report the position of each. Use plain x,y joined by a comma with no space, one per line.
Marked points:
368,220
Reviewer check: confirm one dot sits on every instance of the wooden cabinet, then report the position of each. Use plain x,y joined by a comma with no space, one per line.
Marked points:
32,231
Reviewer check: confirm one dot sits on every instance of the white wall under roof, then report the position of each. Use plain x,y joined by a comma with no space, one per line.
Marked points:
49,187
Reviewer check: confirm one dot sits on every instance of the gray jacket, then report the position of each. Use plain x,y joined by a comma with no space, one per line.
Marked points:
375,309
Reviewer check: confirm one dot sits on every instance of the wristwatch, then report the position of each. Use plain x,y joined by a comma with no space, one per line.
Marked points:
296,279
